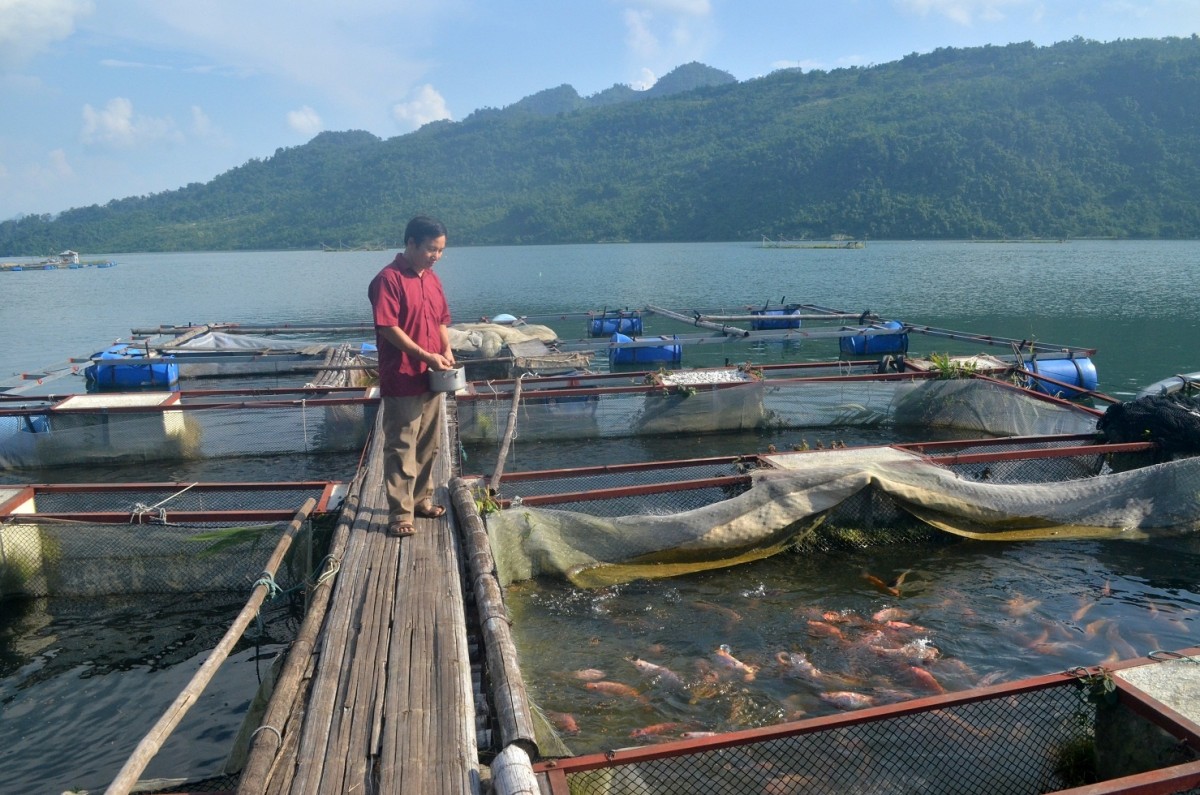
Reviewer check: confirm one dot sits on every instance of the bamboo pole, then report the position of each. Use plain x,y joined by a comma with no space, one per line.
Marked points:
513,712
265,749
509,432
127,777
696,321
512,773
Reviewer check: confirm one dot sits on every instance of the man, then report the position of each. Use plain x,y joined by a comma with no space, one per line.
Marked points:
411,316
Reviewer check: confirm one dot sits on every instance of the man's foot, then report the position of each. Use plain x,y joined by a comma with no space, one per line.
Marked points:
429,510
401,528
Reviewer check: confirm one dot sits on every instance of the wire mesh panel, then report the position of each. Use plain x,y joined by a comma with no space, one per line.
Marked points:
1014,744
42,557
147,503
971,404
100,437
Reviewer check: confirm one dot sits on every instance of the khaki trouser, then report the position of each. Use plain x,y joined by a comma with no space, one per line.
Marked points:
411,433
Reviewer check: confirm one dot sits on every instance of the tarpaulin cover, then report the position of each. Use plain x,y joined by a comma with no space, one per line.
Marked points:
782,506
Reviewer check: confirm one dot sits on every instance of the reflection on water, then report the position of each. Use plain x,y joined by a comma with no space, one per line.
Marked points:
233,469
814,634
82,680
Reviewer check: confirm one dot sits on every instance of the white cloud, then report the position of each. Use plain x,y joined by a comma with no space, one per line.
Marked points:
964,12
29,26
665,33
305,121
348,53
645,80
117,126
425,106
59,165
638,36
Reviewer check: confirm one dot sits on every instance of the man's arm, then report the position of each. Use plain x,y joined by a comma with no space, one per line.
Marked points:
436,360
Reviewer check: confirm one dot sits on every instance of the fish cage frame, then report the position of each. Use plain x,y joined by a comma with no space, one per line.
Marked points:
101,539
968,722
128,424
949,454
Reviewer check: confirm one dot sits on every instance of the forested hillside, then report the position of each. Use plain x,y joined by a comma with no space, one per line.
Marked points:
1081,139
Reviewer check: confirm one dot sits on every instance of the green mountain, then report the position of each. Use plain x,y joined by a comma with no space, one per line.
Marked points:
1080,139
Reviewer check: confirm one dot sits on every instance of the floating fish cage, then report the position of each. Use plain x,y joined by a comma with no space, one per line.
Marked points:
878,502
93,540
1088,726
604,526
167,426
815,396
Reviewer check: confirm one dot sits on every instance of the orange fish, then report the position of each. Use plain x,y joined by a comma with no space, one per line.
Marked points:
563,721
1021,606
891,614
820,629
847,699
727,660
925,679
657,730
614,689
1084,607
589,674
659,672
730,614
880,585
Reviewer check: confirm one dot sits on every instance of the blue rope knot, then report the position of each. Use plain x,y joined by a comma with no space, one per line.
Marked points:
265,579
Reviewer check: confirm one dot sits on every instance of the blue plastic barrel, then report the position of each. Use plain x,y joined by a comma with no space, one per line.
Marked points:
876,345
778,318
1077,371
668,352
159,373
617,324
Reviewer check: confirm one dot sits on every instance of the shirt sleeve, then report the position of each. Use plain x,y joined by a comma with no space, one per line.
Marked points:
385,300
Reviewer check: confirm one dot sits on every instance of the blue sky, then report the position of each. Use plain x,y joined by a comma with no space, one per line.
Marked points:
104,99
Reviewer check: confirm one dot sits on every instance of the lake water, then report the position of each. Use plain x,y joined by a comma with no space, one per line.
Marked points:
992,609
1138,303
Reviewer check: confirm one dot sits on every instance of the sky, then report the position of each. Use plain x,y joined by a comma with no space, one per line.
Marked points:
105,99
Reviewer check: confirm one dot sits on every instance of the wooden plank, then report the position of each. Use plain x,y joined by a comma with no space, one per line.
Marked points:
390,703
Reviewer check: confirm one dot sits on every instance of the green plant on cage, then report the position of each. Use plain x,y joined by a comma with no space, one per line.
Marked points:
485,500
949,368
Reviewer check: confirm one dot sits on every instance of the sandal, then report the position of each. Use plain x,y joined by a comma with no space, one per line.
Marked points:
401,529
429,510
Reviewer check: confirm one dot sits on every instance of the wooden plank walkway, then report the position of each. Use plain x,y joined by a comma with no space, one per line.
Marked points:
387,704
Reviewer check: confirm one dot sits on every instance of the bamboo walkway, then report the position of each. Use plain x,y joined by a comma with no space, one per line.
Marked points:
376,695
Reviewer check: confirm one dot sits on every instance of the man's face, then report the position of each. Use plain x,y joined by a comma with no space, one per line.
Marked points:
424,255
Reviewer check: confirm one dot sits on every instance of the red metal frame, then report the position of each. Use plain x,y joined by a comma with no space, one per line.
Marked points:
124,517
554,772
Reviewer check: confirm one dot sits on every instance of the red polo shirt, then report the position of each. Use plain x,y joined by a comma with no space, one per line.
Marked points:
417,305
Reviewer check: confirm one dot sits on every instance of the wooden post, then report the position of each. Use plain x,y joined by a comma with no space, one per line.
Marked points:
513,712
127,777
509,432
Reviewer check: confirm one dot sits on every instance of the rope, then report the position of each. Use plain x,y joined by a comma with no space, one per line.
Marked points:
140,509
278,736
334,566
268,580
1161,655
304,422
